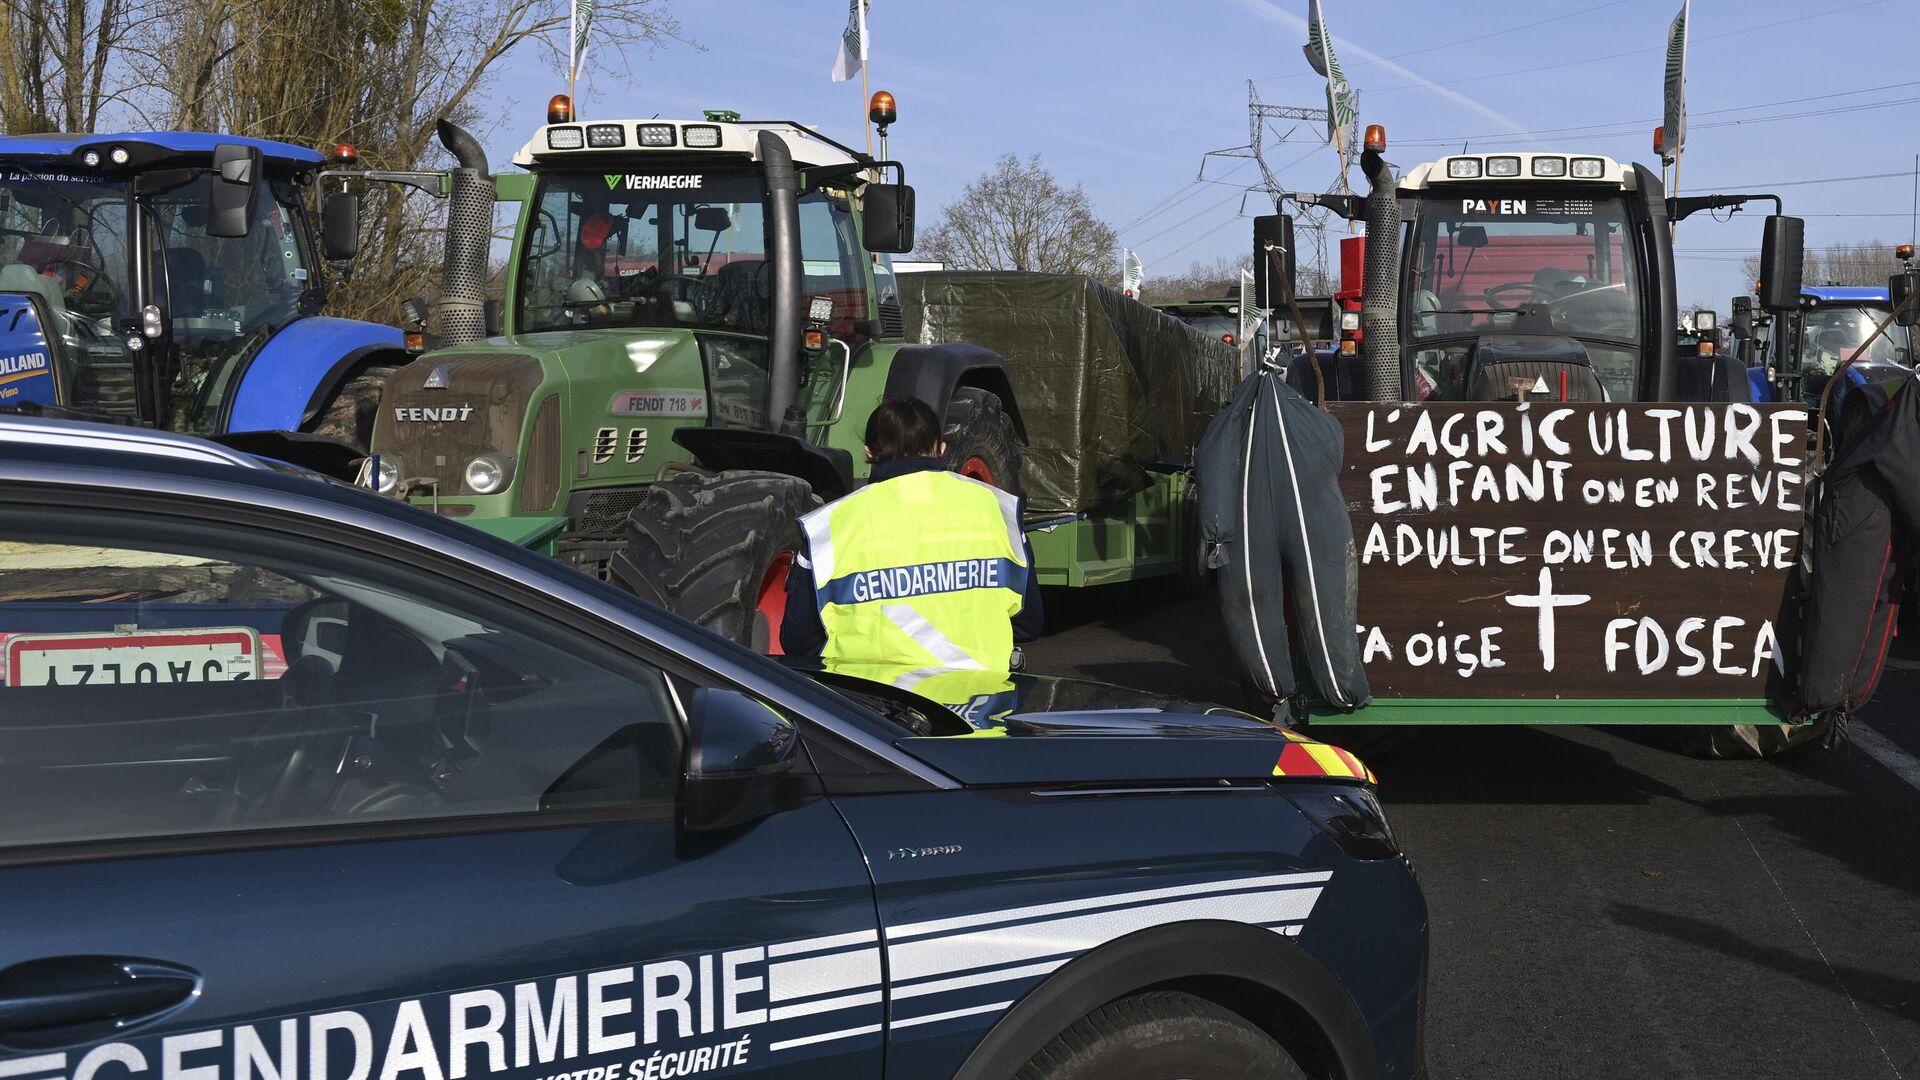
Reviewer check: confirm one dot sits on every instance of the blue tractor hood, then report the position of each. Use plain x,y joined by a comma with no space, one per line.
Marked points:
1036,729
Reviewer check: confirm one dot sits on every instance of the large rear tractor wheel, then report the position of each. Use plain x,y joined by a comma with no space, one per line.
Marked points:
350,413
981,440
715,547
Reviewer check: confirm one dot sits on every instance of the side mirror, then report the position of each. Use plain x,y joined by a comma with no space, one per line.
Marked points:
1273,253
1782,246
340,226
231,198
740,755
1899,288
887,218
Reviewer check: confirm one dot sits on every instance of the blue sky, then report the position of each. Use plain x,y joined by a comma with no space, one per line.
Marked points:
1125,96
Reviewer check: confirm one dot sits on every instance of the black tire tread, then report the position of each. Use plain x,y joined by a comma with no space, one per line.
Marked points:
1105,1039
701,541
977,424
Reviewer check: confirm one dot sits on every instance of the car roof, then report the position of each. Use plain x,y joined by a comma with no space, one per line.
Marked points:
139,445
64,144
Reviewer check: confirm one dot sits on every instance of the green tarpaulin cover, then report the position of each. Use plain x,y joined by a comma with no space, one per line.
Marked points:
1107,386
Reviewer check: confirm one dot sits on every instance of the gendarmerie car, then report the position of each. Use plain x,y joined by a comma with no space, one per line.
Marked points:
301,783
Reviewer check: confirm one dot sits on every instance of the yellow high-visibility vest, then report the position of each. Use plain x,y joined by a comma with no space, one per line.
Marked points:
923,570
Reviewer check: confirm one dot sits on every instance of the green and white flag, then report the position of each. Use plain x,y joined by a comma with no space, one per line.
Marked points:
853,42
1131,273
1342,110
1676,116
580,20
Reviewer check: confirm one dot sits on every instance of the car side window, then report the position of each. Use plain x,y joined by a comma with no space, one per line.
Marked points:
195,678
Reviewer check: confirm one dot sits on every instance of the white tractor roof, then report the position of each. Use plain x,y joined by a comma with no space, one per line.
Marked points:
631,141
1525,167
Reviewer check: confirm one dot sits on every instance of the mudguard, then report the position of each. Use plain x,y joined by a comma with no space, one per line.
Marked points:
286,382
933,372
828,470
1218,952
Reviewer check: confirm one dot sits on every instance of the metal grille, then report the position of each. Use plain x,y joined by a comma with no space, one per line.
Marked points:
605,442
604,513
636,444
542,483
496,388
893,322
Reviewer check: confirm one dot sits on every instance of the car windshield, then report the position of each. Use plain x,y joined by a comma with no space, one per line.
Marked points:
633,249
1513,263
1828,335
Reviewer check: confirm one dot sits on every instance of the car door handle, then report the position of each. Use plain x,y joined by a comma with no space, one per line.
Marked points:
41,999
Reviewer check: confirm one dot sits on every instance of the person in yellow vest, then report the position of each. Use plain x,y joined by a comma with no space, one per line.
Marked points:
921,568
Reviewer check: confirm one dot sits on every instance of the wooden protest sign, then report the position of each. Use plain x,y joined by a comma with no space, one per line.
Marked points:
1546,550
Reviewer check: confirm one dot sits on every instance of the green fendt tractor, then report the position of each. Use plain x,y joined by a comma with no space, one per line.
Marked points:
694,329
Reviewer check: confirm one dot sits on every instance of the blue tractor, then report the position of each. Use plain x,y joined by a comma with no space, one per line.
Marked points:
175,280
1804,349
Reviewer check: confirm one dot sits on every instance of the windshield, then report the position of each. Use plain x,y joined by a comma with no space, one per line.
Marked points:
1828,335
63,240
1514,263
224,296
646,250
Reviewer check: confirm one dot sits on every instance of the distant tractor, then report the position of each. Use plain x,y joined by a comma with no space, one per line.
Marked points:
175,279
1809,343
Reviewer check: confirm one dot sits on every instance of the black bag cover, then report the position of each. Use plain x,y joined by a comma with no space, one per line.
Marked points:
1863,535
1275,522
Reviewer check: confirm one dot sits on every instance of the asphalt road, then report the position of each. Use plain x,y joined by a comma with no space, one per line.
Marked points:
1603,906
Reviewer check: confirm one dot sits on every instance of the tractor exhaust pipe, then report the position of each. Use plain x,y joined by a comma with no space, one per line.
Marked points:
784,269
1380,306
463,274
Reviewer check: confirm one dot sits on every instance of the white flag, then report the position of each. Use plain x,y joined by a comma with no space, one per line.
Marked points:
1676,83
579,21
1131,273
853,42
1341,108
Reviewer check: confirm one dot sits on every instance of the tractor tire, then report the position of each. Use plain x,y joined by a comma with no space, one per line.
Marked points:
1748,742
1162,1035
350,413
982,442
714,547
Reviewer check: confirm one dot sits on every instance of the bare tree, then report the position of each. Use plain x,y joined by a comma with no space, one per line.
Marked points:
1221,278
59,61
1018,216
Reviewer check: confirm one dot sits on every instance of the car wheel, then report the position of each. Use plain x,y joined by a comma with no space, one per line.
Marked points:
981,440
714,547
350,413
1162,1036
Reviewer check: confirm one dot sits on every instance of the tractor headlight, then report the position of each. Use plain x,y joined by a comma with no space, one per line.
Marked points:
1503,166
1463,168
489,474
1589,168
91,159
386,474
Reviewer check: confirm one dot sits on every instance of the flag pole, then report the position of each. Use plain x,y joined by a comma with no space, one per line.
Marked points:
865,97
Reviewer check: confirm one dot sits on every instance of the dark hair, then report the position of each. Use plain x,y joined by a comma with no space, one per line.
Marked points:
902,427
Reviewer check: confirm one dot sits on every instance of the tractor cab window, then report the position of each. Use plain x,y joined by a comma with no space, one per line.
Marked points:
224,296
1829,335
831,259
1517,264
640,249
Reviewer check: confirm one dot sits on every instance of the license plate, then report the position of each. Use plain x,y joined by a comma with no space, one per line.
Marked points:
140,657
